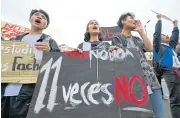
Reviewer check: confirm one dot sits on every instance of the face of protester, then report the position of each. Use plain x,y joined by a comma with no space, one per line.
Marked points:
93,27
129,23
38,20
165,38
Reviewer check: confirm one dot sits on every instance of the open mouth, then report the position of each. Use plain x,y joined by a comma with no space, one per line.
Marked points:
95,27
38,21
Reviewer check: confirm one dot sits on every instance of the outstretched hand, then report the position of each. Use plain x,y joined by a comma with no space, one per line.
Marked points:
66,48
77,50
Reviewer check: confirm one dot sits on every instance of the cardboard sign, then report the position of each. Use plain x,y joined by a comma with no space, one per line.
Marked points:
18,64
163,16
9,30
95,84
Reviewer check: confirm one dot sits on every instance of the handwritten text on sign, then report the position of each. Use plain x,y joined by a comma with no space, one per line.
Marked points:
18,63
74,83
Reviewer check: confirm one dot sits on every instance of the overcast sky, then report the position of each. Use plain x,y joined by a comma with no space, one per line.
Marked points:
68,18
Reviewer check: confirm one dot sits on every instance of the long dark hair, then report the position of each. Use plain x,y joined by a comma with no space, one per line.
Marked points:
87,34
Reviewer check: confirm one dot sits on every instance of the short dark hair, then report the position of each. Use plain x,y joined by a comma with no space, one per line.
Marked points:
41,11
123,17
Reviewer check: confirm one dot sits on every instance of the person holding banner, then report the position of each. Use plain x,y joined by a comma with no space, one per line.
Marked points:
166,56
128,24
16,98
93,37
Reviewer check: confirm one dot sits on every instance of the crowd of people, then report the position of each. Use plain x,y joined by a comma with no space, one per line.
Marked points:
166,61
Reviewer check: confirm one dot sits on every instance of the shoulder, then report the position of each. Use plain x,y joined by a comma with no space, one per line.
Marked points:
43,36
20,37
52,43
80,45
48,37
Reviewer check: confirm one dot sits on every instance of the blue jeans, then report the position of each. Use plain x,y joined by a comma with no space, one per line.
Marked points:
157,103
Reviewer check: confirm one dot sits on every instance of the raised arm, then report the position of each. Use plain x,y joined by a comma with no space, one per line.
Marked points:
147,43
175,35
157,35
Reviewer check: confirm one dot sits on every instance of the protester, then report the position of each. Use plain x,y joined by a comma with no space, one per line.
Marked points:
165,55
16,97
128,24
93,37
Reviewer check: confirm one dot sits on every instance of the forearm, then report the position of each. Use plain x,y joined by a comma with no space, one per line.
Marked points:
146,40
174,37
175,33
157,36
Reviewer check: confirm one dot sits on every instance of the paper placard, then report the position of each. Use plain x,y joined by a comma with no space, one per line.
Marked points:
18,64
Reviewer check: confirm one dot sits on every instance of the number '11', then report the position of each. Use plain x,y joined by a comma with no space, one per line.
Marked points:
53,92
